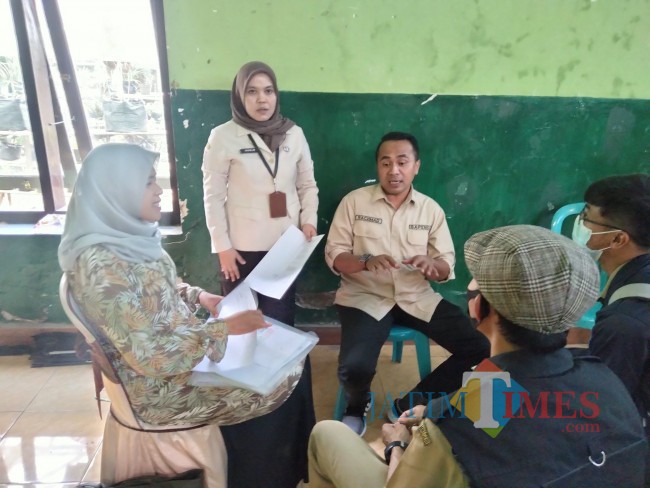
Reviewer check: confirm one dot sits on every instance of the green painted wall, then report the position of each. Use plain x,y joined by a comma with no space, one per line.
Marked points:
351,71
489,161
346,70
595,48
29,277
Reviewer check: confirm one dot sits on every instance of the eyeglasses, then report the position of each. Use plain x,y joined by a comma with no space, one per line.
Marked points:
585,219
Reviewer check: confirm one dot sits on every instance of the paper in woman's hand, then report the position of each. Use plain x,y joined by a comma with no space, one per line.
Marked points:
242,298
239,352
275,273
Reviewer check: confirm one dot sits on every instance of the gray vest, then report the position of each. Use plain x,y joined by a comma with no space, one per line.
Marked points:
605,451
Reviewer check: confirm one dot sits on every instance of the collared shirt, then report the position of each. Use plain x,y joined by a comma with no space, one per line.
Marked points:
236,187
365,222
610,278
428,462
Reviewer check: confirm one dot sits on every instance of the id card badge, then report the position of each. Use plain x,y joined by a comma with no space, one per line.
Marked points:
278,204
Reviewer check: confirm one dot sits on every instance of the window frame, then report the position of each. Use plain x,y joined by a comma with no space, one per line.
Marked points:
41,100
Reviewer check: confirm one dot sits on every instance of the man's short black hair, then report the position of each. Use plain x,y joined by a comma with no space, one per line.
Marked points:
527,339
400,136
625,202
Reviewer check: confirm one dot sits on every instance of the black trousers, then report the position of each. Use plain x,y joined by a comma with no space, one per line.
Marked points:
283,310
362,338
271,451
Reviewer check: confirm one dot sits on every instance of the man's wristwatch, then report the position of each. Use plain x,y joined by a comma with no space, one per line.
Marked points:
389,448
364,258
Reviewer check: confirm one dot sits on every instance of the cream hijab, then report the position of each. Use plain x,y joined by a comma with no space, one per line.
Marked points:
271,131
105,206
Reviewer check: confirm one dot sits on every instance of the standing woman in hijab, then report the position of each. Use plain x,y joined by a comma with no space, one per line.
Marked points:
258,179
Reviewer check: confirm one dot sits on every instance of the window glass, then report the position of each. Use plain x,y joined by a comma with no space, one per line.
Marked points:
19,180
113,49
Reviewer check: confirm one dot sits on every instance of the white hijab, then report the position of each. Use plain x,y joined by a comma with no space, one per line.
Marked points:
105,206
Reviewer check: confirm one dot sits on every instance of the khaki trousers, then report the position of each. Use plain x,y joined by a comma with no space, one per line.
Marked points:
340,458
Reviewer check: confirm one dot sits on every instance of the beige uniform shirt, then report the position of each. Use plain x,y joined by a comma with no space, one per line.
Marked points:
365,222
236,188
428,462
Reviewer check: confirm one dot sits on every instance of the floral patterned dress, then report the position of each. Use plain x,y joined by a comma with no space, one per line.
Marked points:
146,317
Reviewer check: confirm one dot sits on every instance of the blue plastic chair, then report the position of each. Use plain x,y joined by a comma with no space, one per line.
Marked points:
397,336
588,319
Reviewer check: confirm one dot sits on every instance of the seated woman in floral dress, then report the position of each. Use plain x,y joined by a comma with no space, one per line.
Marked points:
126,286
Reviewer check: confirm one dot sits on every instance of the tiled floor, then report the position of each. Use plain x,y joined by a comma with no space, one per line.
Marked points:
50,432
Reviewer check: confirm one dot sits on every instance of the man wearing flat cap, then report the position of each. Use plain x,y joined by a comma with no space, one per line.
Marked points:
531,414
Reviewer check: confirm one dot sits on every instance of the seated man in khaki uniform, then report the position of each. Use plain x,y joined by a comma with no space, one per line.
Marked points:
531,414
387,241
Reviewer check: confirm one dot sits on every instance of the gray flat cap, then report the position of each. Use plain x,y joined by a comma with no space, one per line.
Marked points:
535,278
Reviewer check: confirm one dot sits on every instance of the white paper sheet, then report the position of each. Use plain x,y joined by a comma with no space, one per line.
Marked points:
242,298
240,351
280,267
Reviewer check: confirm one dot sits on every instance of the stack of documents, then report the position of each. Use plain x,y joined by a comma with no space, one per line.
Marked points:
261,360
275,351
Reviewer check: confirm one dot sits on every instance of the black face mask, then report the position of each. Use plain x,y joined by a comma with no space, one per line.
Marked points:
471,294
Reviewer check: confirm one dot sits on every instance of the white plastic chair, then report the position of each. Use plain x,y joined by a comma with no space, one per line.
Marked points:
133,448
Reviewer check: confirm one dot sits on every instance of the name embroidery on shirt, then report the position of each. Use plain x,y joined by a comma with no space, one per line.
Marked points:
365,218
424,434
419,227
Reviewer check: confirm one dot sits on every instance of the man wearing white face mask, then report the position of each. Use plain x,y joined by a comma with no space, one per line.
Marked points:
615,227
582,234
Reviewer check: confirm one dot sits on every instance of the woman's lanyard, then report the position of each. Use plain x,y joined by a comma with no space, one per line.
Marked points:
266,164
277,199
